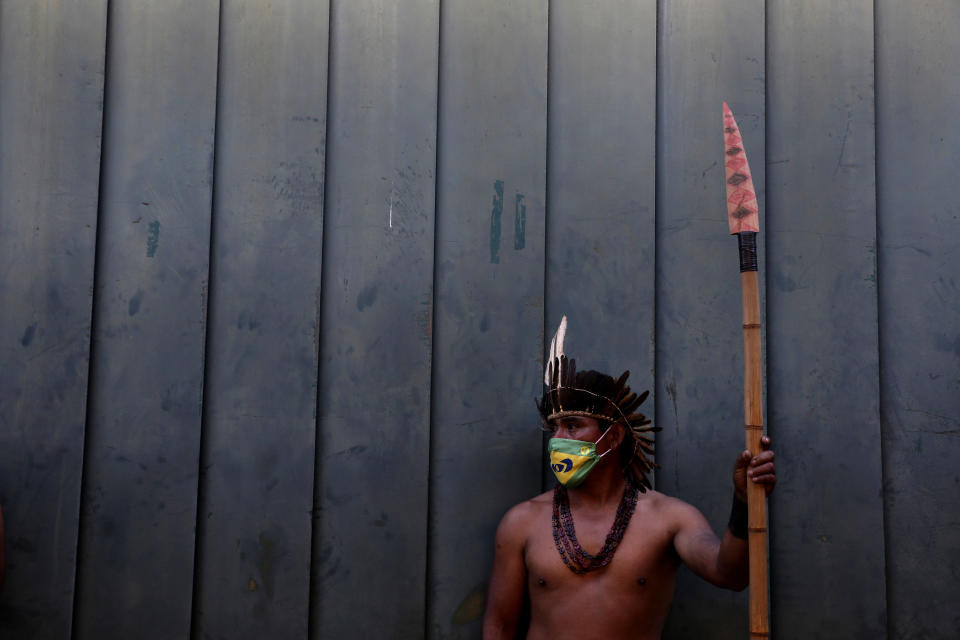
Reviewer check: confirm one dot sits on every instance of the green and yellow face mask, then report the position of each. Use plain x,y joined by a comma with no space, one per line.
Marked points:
572,460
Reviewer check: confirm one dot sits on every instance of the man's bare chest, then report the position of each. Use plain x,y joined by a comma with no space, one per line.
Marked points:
644,557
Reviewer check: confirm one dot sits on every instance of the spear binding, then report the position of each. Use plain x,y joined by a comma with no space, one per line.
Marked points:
744,218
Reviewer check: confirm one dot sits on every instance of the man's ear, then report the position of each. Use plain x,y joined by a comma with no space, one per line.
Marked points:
616,435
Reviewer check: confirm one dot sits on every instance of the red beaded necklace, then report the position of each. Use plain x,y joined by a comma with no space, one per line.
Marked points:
565,537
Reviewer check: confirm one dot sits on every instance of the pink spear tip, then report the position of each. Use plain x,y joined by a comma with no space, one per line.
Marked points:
742,208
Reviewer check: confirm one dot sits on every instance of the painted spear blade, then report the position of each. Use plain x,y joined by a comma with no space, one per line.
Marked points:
742,208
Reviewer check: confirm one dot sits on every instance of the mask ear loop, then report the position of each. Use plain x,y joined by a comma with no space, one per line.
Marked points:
606,431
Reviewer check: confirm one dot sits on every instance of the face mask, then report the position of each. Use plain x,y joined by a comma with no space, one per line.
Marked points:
572,460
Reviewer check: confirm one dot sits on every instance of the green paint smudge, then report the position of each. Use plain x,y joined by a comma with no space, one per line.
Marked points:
471,608
519,223
153,240
495,215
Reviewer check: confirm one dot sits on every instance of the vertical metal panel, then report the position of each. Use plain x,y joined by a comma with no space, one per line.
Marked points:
918,152
260,396
139,489
709,53
490,274
827,519
51,92
601,184
377,305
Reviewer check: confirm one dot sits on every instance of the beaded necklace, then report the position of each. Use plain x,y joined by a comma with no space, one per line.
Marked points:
565,537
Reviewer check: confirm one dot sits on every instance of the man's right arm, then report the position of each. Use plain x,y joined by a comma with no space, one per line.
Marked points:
509,577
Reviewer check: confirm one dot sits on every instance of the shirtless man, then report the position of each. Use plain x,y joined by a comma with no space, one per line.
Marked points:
593,591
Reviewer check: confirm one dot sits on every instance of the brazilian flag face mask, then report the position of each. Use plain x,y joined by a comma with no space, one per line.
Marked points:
572,460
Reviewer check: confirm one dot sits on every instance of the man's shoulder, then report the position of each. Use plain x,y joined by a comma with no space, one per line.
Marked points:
532,507
516,522
524,512
537,502
665,505
673,512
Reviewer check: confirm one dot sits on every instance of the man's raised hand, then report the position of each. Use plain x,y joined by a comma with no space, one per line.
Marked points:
757,468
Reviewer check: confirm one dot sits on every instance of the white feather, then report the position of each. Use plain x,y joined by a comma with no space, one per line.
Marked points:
556,349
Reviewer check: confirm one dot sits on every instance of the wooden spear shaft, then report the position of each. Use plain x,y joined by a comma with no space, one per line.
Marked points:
743,215
753,426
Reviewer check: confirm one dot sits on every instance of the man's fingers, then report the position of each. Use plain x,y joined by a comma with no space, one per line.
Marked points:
761,470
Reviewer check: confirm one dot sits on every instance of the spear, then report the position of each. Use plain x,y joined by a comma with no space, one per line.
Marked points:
744,218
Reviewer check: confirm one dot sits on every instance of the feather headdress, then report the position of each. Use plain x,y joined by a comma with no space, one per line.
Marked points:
592,394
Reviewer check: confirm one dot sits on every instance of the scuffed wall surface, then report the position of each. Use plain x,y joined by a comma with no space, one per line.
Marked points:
268,360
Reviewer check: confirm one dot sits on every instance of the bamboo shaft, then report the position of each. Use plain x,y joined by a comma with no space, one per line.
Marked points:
756,497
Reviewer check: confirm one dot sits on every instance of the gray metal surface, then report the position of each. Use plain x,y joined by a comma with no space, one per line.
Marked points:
51,92
373,463
709,53
260,390
140,464
485,441
918,152
601,185
427,430
827,520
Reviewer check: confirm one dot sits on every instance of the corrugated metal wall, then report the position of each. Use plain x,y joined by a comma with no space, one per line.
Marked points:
275,279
